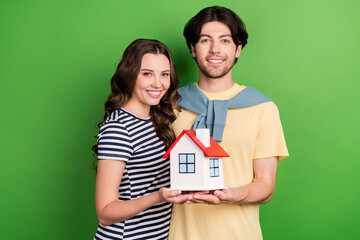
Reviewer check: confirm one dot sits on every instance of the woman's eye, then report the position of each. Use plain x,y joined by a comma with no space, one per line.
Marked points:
165,74
147,74
205,40
226,40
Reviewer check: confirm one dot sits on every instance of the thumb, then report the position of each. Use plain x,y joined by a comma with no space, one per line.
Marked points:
173,193
219,194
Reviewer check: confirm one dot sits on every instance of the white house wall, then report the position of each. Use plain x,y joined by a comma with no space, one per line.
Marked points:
187,181
213,182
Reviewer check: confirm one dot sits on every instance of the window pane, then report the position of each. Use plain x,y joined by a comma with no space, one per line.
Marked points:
191,158
216,162
183,168
191,168
182,158
211,163
216,174
212,172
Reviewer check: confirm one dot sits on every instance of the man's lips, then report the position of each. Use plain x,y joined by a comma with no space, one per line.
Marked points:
215,60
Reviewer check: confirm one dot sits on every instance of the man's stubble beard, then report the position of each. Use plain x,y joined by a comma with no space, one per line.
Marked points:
209,74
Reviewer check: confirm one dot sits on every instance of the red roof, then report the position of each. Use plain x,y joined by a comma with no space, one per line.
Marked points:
215,150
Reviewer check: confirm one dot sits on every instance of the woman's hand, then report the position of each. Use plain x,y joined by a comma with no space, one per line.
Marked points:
173,196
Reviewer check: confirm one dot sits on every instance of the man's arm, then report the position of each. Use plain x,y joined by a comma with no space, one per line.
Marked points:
259,191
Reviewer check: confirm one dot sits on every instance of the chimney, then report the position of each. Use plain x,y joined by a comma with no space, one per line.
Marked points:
204,136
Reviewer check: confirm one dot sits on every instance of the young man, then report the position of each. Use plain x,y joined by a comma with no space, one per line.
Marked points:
242,120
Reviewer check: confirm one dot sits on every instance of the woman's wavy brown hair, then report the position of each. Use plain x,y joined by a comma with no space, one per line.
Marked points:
123,82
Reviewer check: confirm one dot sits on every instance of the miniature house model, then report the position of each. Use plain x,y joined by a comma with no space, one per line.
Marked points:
196,161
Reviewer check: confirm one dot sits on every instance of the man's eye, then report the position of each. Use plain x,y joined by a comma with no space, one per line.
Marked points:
205,40
226,41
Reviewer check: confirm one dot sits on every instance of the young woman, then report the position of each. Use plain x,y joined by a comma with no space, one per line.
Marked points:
132,201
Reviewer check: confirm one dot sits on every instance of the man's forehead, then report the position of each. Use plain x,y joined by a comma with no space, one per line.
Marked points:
215,28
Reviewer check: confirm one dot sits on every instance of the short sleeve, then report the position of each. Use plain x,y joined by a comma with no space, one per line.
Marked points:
114,142
270,140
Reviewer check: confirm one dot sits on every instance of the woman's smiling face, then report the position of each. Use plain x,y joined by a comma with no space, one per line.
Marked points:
151,84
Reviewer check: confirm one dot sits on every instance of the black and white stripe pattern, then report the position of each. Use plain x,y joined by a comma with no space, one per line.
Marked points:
133,140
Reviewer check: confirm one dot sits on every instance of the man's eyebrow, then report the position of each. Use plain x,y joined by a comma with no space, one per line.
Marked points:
206,35
226,35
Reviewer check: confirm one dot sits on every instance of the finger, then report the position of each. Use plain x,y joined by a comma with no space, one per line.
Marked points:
209,198
178,199
175,192
168,193
191,199
220,195
204,196
197,192
202,192
195,201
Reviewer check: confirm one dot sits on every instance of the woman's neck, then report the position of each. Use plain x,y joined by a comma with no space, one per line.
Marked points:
138,110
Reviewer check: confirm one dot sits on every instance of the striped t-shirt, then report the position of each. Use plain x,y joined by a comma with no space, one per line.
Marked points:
128,138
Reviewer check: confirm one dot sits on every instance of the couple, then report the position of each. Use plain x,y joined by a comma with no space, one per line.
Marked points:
142,119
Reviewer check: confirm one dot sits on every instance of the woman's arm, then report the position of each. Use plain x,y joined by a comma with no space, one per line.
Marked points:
109,209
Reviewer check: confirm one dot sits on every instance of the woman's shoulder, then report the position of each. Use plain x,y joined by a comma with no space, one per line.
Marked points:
114,121
114,116
122,119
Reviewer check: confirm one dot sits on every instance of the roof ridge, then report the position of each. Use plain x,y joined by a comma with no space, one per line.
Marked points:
215,150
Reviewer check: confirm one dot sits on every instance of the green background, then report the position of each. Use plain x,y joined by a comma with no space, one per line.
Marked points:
56,60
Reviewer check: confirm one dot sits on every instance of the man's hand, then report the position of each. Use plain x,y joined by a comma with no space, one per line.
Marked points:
214,198
259,191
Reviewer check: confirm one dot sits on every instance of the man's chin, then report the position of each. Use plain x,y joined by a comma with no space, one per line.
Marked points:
215,75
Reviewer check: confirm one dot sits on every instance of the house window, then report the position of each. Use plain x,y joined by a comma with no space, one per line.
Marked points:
187,163
214,167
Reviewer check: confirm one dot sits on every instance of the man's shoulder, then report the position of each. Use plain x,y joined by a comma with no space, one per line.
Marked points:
188,87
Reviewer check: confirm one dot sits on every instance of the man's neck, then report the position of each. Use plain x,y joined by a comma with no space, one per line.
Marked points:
214,85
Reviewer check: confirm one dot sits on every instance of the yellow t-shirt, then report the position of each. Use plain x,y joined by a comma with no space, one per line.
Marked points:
249,133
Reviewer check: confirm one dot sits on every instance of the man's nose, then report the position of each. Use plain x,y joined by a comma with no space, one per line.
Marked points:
215,47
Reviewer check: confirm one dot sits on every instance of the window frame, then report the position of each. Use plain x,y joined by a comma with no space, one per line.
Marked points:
187,163
214,167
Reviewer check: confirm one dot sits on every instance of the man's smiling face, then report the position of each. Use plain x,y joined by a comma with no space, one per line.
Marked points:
215,52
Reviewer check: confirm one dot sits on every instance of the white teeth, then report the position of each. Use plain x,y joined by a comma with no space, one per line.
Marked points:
215,61
154,92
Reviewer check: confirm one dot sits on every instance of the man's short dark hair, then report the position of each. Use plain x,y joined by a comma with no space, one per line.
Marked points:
215,13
